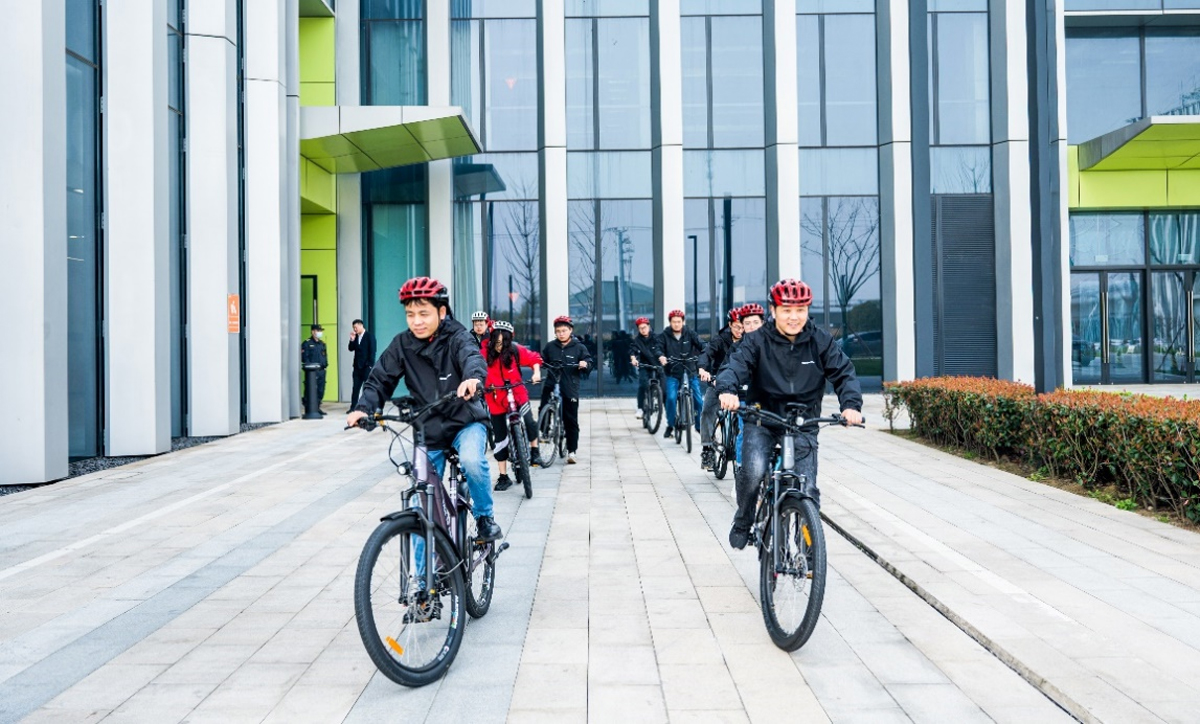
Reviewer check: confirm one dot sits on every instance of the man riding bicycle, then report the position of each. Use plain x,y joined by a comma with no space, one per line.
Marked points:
711,362
505,358
435,356
644,350
788,360
481,327
573,357
676,341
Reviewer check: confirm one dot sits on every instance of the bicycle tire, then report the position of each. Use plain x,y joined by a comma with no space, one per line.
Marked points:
479,569
687,405
560,433
720,448
657,405
547,441
775,588
678,418
521,464
384,651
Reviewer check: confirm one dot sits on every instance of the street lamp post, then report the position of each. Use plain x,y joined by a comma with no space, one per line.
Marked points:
695,276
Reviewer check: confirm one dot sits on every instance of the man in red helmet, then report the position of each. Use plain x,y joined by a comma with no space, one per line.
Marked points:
644,350
574,359
712,361
435,356
787,360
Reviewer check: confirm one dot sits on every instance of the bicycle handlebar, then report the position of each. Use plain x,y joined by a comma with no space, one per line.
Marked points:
407,414
502,388
796,424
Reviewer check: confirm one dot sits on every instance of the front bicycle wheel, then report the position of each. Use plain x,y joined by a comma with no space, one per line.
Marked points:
521,463
687,406
655,413
411,634
720,445
679,418
480,570
547,435
792,592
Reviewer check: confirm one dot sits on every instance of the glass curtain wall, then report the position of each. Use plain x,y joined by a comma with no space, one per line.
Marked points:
1116,76
85,264
393,52
725,247
960,131
839,176
494,79
176,132
609,213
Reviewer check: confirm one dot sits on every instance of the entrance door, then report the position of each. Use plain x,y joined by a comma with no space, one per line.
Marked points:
1173,354
1108,344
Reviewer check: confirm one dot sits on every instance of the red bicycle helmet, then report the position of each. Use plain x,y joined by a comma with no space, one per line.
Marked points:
751,310
424,288
735,315
791,293
676,313
564,319
640,321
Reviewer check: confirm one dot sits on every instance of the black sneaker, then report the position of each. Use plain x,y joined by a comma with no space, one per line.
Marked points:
535,458
670,431
503,483
738,537
706,457
487,530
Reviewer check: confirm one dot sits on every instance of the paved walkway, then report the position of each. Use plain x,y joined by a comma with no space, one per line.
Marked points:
215,584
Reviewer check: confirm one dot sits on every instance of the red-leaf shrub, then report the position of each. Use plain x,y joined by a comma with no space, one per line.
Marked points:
1148,447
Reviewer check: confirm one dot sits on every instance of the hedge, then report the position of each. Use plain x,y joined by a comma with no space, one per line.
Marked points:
1148,447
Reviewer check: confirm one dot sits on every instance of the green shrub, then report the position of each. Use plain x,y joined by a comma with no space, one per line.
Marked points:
1148,448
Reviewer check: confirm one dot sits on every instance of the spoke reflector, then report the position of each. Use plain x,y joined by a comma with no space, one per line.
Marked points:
391,642
807,535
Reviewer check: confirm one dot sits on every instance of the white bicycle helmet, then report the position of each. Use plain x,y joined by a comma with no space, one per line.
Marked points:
505,326
480,316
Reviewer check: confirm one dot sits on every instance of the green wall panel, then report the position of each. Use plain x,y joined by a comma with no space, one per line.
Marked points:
1183,188
318,257
318,189
1133,189
317,94
317,50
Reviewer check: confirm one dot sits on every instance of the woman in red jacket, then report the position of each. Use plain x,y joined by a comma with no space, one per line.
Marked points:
505,360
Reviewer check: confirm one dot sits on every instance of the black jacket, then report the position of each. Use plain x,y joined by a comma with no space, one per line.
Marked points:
479,338
568,354
364,351
688,345
647,349
431,368
779,371
716,353
313,351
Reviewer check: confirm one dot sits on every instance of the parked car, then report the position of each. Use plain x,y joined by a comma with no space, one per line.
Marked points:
863,344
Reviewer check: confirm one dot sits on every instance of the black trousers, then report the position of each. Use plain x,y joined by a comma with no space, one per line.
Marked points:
570,411
757,444
500,441
644,375
360,376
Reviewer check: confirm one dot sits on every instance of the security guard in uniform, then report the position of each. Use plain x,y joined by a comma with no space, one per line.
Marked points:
312,351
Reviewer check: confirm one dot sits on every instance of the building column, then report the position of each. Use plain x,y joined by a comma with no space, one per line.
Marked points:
33,223
349,199
137,201
267,286
782,137
552,163
896,190
439,174
294,335
1010,164
214,359
666,99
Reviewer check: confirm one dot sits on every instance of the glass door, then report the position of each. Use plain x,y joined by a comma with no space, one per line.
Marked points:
1108,342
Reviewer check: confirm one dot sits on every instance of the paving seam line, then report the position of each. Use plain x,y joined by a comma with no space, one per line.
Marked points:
1039,682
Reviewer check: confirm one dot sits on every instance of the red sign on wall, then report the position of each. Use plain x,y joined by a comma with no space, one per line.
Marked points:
234,309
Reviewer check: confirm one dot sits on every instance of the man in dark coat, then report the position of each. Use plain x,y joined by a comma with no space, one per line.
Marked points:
362,344
568,351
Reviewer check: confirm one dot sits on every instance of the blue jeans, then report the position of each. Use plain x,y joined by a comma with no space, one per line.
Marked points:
471,444
673,384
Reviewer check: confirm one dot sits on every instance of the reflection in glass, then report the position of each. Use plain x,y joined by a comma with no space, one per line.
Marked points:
396,66
719,7
1104,79
1106,239
398,252
512,248
737,82
849,47
393,9
808,77
1195,303
1174,238
1169,354
720,173
694,44
960,169
1085,328
498,175
713,284
609,108
835,6
960,65
1125,327
598,8
1172,71
812,256
493,8
81,28
839,171
608,174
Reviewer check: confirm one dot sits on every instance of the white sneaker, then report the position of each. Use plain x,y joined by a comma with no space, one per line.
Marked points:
639,415
570,458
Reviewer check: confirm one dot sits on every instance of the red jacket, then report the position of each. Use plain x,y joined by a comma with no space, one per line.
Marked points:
498,376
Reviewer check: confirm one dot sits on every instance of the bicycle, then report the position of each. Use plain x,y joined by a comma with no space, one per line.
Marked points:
725,443
518,439
418,557
685,411
788,534
654,405
552,436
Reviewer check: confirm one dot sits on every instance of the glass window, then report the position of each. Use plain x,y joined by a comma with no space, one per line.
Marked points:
960,170
958,6
513,254
808,73
174,76
835,6
841,171
497,176
396,69
720,173
849,65
493,8
466,86
581,84
608,175
1174,238
960,89
737,82
694,43
599,8
393,9
1103,82
623,82
1073,5
81,28
720,7
1172,71
710,291
512,97
1107,239
394,218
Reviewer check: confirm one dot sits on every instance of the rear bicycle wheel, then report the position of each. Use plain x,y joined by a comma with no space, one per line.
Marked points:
521,464
720,448
411,635
547,435
655,414
792,594
480,569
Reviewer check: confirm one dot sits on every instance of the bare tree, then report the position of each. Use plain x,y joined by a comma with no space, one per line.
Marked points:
853,248
521,226
582,275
